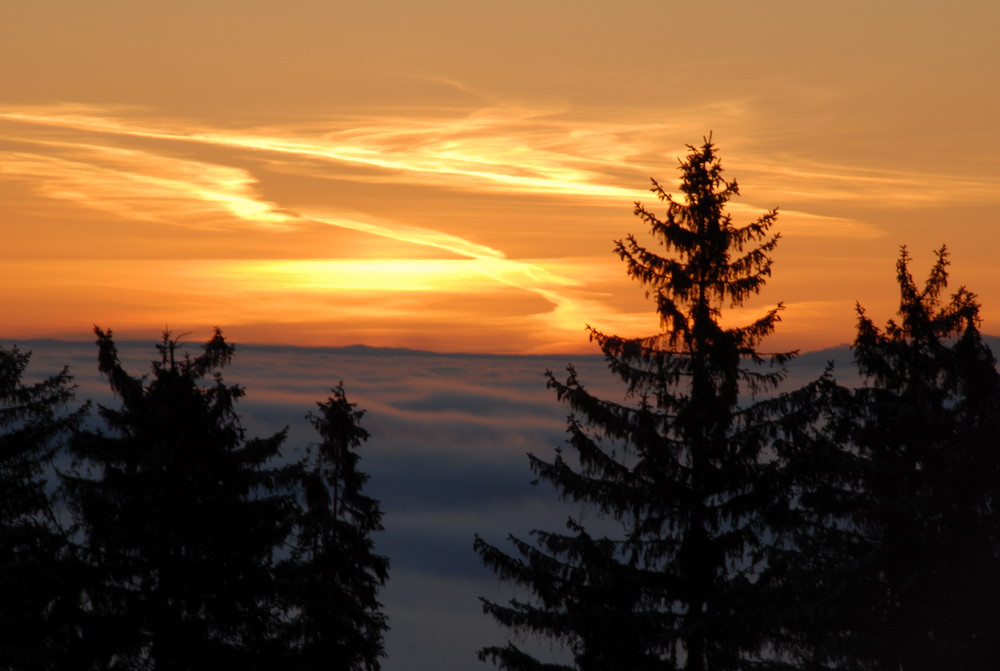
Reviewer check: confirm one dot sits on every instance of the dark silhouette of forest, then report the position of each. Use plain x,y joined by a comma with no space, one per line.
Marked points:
753,527
175,541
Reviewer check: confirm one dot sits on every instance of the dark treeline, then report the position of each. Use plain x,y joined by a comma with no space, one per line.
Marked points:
174,541
818,528
733,524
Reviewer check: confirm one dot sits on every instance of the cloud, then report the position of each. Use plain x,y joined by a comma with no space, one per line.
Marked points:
145,186
791,177
541,151
509,150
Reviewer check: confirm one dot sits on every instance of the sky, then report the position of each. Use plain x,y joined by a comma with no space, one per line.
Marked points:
451,176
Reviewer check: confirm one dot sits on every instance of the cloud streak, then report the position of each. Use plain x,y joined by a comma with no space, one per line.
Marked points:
513,151
145,186
507,150
488,150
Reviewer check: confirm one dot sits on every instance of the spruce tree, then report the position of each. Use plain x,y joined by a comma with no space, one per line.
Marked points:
673,467
39,583
334,574
181,516
896,558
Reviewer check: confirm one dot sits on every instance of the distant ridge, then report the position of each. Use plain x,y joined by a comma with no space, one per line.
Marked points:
359,349
840,354
372,350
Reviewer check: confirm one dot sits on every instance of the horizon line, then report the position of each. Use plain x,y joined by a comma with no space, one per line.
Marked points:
362,348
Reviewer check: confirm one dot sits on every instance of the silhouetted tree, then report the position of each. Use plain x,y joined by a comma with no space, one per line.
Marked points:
39,586
181,516
896,563
674,466
334,574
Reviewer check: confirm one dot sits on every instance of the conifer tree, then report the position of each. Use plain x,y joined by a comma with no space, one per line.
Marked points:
896,560
39,590
673,466
334,574
181,516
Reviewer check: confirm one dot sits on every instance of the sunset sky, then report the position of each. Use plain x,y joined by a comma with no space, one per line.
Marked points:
451,175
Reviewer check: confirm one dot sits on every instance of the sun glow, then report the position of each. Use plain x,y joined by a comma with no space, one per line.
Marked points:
396,275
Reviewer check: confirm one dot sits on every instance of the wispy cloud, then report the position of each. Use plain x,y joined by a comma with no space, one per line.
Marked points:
803,179
504,150
508,150
144,186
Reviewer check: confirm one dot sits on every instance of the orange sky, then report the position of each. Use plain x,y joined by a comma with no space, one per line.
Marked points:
451,175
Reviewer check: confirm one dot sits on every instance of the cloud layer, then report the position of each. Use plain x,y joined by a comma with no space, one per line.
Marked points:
446,460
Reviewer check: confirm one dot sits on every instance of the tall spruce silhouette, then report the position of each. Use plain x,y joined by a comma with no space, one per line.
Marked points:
333,573
181,516
40,581
895,562
673,467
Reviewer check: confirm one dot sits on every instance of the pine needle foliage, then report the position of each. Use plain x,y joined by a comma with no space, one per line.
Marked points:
333,573
896,563
181,515
39,586
673,466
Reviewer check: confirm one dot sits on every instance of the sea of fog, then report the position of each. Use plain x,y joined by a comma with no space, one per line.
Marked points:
449,435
